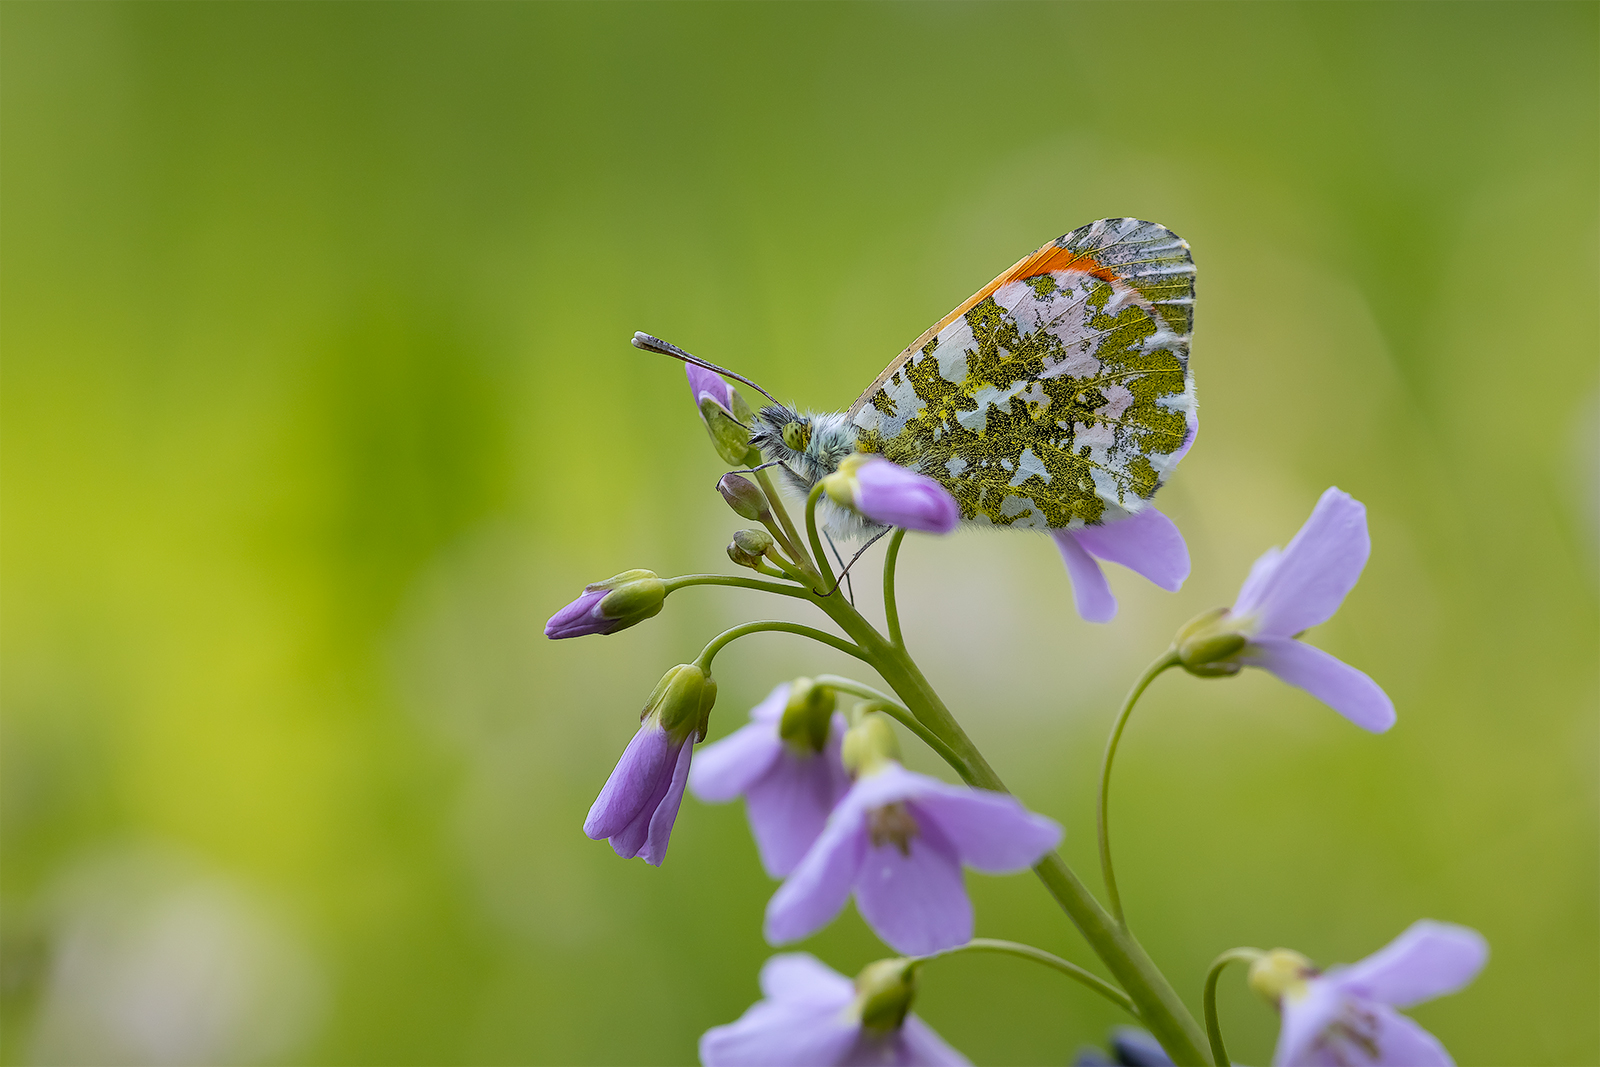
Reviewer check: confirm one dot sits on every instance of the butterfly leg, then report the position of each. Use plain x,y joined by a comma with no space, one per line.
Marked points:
844,570
845,575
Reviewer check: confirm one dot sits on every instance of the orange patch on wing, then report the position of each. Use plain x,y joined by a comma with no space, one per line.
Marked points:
1051,257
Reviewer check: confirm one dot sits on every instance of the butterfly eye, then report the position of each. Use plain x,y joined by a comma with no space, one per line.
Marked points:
797,435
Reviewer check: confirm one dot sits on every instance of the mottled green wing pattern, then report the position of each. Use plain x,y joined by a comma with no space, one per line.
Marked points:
1059,395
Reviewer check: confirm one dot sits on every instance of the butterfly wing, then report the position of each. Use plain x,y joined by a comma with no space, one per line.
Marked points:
1058,395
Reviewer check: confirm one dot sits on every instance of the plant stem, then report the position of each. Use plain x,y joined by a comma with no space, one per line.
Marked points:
718,642
891,610
791,536
828,584
1159,1006
1039,955
1219,1052
1102,806
685,580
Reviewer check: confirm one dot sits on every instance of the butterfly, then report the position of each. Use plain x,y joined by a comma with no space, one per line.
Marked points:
1056,397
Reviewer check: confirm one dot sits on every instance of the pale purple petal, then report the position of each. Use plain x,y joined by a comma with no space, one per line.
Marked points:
581,617
991,832
641,774
666,813
704,383
789,805
1260,571
1305,1017
820,885
1147,543
924,1048
725,769
1332,681
889,493
1431,959
1329,1028
1402,1043
633,837
1316,571
800,976
776,1034
1090,590
915,900
772,705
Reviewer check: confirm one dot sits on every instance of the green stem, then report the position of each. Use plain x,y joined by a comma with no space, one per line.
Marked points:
1103,805
791,538
685,580
891,610
1160,1008
1039,955
828,584
1219,1051
718,642
909,721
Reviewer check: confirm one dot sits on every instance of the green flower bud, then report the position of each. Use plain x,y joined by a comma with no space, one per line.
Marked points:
749,547
884,991
621,601
1207,643
744,497
869,743
807,715
1278,973
681,702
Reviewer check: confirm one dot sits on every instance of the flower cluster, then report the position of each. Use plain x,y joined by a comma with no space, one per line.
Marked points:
837,816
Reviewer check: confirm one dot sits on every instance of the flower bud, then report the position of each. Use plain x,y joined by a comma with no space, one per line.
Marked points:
724,411
884,991
1279,972
744,497
681,702
749,547
807,715
869,743
1207,643
617,603
890,494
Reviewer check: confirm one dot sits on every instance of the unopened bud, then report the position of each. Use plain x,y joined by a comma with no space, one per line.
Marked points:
1279,973
808,715
749,547
621,601
1207,644
869,743
681,702
744,497
884,991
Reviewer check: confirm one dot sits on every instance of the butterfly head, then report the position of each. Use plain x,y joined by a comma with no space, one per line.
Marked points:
808,445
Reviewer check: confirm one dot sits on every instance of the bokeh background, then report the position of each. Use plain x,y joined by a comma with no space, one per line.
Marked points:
317,401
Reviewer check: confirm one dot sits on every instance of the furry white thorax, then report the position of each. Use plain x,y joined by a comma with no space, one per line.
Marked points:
827,438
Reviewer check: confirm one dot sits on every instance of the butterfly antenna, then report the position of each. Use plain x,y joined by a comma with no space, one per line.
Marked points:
667,348
876,537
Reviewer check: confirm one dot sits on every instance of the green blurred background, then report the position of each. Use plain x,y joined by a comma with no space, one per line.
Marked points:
317,401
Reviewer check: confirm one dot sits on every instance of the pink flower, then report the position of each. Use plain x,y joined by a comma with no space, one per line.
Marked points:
898,840
813,1016
789,788
1346,1017
890,494
1287,593
639,802
1147,543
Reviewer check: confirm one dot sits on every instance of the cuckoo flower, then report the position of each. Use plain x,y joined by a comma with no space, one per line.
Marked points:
1147,544
1346,1017
813,1016
1287,593
639,803
898,841
617,603
890,494
785,763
